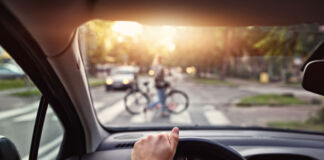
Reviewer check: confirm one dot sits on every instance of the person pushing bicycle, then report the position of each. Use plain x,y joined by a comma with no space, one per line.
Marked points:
160,84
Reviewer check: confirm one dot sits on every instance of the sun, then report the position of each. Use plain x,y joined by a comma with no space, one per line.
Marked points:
127,28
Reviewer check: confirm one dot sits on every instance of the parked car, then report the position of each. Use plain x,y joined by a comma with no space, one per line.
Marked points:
122,77
10,71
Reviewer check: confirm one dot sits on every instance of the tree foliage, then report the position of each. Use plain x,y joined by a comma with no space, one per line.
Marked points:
206,48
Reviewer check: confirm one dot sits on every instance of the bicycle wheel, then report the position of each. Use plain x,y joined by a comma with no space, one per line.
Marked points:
177,101
136,101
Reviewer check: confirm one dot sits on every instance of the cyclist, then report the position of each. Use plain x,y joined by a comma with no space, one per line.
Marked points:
160,84
156,147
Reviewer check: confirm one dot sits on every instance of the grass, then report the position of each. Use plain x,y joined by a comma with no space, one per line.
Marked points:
297,126
315,123
28,93
93,82
271,100
211,81
11,84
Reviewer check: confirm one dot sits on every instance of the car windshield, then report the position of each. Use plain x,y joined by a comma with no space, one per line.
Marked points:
201,76
125,72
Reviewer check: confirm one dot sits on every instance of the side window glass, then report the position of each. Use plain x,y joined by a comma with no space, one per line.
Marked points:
19,100
4,70
51,138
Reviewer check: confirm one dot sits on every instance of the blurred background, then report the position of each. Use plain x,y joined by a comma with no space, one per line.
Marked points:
236,52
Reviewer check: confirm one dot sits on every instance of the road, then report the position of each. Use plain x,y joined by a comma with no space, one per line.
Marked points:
18,122
209,105
204,104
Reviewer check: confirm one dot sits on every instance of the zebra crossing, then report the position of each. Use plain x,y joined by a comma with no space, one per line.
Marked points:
26,115
49,150
117,114
21,113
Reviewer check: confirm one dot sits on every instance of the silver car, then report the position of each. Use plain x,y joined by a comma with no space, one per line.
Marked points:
10,71
122,77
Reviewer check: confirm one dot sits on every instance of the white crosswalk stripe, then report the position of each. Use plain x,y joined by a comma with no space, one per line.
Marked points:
212,115
143,118
30,116
182,118
18,111
51,155
47,147
98,105
215,117
110,113
26,117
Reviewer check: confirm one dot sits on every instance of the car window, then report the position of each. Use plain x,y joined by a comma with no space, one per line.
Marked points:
19,100
52,136
202,76
119,71
4,71
123,72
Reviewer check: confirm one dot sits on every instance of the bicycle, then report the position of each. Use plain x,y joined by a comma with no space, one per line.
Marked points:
136,100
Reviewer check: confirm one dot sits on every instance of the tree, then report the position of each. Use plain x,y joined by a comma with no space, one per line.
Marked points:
281,44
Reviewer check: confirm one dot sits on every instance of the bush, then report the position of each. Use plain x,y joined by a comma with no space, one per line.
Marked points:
318,118
10,84
271,100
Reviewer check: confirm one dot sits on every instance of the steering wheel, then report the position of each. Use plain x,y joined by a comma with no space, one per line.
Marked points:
202,149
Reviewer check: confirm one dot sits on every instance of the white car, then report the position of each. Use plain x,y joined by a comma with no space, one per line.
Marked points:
121,78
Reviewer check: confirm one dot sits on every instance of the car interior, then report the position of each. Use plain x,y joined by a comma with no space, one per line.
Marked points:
42,37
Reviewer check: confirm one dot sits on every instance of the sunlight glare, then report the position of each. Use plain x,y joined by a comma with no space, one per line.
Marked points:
127,28
168,43
120,39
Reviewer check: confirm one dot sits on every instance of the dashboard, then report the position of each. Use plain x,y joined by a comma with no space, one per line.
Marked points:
251,144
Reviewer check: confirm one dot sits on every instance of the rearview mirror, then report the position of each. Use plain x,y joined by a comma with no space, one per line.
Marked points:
313,79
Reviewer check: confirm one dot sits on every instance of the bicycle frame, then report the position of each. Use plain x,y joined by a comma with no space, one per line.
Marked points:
147,90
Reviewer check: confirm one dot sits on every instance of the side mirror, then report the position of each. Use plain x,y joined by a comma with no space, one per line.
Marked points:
8,150
313,79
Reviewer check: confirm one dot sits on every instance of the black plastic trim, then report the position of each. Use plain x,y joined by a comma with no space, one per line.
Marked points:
163,128
38,128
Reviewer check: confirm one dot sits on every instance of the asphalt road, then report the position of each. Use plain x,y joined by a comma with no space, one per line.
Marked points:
17,124
209,105
204,103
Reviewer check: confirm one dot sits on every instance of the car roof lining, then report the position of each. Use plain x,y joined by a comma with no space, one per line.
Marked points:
211,12
179,12
52,22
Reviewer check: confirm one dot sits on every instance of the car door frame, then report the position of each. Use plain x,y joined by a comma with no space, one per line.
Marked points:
15,38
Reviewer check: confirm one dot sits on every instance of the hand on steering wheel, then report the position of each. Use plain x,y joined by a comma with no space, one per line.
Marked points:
165,147
156,147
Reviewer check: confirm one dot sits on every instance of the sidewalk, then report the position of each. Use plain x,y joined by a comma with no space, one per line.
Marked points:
275,88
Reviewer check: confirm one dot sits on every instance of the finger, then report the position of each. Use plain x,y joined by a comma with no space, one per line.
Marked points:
174,138
163,135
